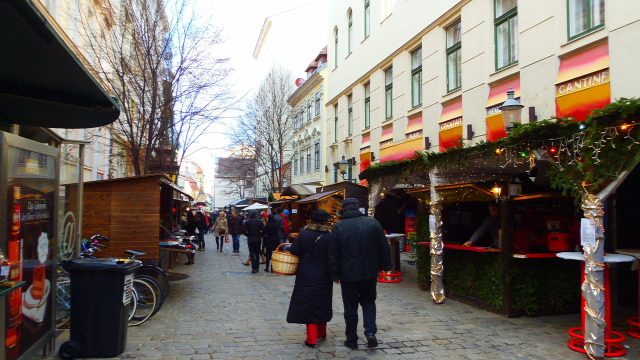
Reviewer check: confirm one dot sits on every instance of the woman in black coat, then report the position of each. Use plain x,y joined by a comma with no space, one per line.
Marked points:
313,290
271,240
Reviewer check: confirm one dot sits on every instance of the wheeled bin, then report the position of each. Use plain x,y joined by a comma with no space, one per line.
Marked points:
100,289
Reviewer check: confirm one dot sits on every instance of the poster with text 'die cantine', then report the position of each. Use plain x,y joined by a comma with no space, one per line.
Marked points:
31,185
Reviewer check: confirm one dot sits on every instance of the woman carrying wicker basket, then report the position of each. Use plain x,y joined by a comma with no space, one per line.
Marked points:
311,300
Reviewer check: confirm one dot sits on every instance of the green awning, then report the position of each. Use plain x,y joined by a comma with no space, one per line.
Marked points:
42,81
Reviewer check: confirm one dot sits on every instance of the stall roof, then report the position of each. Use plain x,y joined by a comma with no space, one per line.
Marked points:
239,203
296,190
456,193
43,82
318,196
162,178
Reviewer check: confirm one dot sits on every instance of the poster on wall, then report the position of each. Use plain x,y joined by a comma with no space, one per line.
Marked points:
30,220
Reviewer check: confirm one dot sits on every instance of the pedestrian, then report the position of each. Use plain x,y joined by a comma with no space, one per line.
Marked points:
220,229
360,250
311,300
201,225
191,223
235,229
254,229
280,221
270,241
285,218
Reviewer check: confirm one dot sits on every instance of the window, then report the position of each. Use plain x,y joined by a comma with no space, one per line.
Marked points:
350,118
295,122
316,155
335,48
309,159
318,104
301,111
506,22
367,106
309,106
350,171
335,123
416,78
388,93
295,165
335,174
367,19
350,33
454,78
584,16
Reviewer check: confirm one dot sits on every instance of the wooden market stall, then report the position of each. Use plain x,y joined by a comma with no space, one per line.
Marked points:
130,211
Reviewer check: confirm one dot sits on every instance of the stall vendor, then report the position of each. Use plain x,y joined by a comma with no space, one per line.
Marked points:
490,224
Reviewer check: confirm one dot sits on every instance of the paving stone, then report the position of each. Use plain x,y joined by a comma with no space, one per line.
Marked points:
212,315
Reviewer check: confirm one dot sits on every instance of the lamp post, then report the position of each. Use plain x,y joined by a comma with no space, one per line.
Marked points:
342,167
511,111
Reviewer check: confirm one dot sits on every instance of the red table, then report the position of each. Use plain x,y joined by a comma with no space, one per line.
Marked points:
612,339
634,322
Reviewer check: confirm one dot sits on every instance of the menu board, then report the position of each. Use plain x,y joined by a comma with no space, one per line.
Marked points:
30,194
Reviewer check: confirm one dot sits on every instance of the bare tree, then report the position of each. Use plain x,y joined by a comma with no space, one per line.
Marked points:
267,125
154,56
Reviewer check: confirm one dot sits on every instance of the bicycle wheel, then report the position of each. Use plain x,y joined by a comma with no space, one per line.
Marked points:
156,288
145,302
63,301
158,274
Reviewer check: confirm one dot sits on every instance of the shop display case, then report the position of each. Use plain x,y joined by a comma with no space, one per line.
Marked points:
28,191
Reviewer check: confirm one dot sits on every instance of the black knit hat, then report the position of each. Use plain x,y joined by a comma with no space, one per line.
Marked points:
350,204
319,216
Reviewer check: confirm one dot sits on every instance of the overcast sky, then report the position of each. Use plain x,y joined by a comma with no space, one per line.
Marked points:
297,35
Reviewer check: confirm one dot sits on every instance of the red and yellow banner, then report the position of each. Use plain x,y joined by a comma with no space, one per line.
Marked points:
366,142
402,151
583,83
386,139
365,161
451,125
497,97
414,128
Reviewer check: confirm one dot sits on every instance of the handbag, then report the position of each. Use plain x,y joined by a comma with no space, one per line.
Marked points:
222,231
227,239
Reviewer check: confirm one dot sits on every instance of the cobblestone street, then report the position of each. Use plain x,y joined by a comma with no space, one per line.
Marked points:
221,311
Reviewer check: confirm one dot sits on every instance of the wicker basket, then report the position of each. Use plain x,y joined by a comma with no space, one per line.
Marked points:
284,263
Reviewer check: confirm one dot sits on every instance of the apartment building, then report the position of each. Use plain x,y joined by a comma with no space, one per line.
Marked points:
309,163
431,75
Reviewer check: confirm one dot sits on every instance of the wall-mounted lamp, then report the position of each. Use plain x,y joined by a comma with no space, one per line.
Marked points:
496,190
511,111
342,167
470,132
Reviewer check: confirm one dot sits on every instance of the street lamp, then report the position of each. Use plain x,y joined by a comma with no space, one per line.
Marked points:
511,110
342,167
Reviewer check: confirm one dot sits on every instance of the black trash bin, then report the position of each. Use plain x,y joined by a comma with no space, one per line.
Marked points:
98,316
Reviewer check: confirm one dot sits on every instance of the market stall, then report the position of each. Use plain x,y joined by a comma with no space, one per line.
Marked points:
329,201
130,211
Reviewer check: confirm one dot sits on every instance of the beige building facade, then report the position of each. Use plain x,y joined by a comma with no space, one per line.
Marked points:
418,75
309,163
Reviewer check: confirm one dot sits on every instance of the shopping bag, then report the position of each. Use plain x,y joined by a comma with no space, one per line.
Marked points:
227,239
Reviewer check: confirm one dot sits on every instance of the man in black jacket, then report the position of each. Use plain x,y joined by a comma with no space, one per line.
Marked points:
359,252
235,229
253,230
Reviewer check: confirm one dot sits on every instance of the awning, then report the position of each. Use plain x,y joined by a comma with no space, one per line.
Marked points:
456,193
498,93
366,141
450,125
296,190
42,81
318,196
583,82
405,150
497,97
387,135
414,125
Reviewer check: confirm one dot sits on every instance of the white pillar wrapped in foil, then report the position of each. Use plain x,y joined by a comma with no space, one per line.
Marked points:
593,285
435,230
